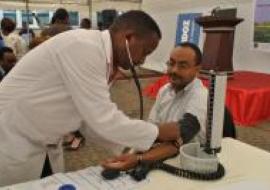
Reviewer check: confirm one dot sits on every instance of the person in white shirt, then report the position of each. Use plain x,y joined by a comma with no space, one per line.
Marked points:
11,39
183,99
64,82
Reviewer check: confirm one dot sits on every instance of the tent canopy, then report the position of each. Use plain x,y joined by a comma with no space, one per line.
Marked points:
82,2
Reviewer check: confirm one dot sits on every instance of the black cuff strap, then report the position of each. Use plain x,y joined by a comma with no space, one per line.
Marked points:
189,127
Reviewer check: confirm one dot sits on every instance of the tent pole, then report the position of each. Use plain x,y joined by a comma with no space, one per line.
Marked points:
140,4
28,20
90,8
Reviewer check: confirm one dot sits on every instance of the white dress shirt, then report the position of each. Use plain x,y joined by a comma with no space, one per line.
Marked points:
55,87
16,43
171,106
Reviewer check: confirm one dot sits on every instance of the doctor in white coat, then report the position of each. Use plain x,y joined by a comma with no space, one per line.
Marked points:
65,81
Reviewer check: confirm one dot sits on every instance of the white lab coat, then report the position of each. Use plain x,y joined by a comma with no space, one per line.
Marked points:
49,93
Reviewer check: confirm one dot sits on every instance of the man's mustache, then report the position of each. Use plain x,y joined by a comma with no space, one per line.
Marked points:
174,76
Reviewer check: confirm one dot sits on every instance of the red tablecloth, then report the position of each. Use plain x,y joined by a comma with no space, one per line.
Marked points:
248,96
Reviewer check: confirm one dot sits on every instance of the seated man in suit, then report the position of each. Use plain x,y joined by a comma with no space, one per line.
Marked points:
183,99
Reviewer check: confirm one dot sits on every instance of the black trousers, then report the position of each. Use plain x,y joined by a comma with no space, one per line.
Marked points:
47,169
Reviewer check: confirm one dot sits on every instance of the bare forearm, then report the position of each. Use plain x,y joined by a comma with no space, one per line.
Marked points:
160,152
128,161
168,131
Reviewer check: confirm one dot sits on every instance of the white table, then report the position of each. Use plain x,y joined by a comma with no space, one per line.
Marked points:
243,163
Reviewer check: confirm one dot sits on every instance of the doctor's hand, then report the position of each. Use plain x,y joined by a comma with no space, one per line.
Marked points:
122,163
169,132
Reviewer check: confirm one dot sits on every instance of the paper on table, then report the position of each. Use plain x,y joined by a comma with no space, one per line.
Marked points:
43,184
246,185
86,179
124,182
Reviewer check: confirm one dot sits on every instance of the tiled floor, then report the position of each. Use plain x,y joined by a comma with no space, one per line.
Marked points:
125,95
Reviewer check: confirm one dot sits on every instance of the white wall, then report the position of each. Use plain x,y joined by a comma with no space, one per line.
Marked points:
165,13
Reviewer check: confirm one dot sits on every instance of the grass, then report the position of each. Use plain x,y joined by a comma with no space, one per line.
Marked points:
262,34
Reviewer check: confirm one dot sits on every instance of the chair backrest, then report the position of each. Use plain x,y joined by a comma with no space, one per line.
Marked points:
228,124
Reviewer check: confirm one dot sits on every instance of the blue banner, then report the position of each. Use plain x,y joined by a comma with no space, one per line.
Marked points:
187,29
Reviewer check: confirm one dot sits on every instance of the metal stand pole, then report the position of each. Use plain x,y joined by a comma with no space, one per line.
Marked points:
90,6
28,20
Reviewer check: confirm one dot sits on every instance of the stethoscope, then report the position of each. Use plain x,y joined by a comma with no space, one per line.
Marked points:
136,80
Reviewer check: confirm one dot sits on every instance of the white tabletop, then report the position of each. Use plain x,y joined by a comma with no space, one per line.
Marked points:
242,162
247,167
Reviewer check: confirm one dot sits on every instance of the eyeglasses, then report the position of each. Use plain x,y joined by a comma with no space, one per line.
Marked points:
179,65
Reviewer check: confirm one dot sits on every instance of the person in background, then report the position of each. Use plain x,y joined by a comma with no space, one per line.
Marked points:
11,39
59,23
183,99
7,61
37,41
64,82
86,23
26,33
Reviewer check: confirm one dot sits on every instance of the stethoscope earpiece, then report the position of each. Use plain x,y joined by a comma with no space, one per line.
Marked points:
129,54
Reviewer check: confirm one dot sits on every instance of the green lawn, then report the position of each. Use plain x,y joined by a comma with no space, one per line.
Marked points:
262,34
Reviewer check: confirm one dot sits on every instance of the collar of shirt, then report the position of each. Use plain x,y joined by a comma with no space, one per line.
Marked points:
3,36
107,42
7,36
2,71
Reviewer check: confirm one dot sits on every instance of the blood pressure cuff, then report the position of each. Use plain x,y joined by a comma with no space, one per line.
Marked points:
189,127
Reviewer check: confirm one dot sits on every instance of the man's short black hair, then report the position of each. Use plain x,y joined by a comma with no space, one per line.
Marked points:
86,23
196,50
136,20
3,50
8,25
60,14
